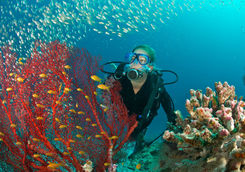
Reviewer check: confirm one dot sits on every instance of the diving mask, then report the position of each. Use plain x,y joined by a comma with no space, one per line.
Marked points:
128,68
141,58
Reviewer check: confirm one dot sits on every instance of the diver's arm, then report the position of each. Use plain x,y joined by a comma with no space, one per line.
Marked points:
167,105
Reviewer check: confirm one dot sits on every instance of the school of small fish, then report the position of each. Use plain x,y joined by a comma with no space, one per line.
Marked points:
23,21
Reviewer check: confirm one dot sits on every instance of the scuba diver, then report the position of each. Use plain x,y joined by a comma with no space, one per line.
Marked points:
143,91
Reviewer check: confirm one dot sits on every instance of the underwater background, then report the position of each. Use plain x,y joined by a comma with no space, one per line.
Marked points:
202,41
203,45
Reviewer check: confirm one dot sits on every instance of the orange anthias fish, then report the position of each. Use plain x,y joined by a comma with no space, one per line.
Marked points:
103,87
55,165
95,78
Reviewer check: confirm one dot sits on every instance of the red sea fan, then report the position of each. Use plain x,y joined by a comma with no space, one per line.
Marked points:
53,115
104,110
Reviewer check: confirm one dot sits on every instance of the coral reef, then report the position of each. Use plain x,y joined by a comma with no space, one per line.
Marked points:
144,161
56,115
212,137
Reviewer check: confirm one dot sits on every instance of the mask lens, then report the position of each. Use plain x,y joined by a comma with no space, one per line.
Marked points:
143,59
132,58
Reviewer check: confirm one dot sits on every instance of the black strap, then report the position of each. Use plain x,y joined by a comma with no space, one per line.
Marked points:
112,62
118,74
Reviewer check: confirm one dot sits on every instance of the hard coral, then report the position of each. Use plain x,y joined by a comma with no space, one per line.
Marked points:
212,136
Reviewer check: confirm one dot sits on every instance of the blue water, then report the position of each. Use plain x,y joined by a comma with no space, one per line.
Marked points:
203,47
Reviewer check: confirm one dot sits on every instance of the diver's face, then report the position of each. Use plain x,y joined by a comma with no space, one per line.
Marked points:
136,64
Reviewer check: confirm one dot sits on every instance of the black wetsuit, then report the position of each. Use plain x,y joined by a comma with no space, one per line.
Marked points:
137,102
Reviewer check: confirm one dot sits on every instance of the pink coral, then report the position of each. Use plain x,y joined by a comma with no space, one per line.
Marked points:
212,137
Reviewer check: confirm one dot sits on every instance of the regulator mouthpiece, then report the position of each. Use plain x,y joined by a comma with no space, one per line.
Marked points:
133,74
